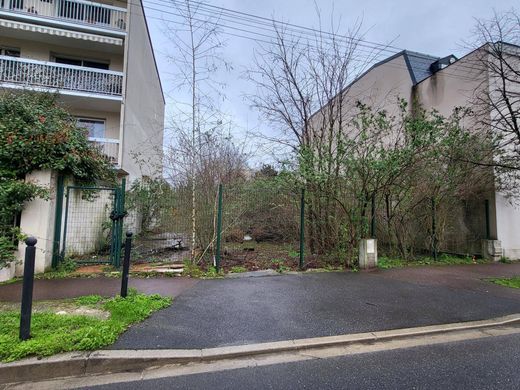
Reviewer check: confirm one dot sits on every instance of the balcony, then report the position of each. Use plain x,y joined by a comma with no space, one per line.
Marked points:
67,79
109,147
74,14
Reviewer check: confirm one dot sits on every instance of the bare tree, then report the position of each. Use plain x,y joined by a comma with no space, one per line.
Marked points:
302,85
196,59
497,101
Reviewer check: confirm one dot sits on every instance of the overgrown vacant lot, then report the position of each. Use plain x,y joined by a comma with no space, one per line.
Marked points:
56,327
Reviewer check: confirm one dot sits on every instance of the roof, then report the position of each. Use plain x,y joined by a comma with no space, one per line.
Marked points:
418,65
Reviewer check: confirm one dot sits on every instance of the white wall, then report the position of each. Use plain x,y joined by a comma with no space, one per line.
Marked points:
38,220
143,116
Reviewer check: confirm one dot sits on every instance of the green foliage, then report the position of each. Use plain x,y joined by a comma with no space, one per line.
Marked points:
403,162
36,134
279,266
505,260
194,271
384,262
88,300
154,201
237,269
65,269
507,282
53,333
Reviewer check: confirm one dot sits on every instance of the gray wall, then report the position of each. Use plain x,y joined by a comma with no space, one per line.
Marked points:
143,112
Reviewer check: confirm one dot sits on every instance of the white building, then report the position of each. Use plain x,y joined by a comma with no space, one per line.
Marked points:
99,58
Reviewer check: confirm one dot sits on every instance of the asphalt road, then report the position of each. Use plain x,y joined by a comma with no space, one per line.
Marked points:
490,363
251,310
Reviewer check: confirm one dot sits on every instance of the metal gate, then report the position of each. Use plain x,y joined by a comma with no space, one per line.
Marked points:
91,226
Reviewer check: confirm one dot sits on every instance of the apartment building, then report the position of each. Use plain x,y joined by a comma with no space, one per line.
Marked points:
444,84
98,57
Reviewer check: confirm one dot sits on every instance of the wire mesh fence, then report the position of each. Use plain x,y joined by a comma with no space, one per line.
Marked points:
88,227
161,217
260,225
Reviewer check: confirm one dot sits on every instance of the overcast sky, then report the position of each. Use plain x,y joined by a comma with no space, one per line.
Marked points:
433,27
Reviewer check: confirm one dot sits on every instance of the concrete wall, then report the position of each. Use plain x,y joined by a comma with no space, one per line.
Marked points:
143,107
382,86
38,220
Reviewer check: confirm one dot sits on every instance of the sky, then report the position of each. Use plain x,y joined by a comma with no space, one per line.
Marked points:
437,27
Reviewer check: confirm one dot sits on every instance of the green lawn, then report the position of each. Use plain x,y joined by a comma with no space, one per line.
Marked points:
387,262
507,282
54,333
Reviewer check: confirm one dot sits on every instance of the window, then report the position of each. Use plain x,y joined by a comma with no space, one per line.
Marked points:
95,127
81,62
9,51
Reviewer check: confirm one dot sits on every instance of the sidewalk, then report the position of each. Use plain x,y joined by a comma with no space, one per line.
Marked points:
75,287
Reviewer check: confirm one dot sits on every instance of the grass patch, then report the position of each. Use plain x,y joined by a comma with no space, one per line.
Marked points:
195,271
237,269
389,262
507,282
53,333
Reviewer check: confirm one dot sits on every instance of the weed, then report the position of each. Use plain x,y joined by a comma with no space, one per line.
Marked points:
279,266
444,259
506,260
507,282
88,300
237,269
54,333
65,269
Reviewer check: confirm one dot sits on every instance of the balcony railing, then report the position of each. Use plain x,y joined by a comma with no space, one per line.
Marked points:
109,147
50,75
86,13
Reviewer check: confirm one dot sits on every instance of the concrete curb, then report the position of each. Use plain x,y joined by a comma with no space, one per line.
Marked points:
112,361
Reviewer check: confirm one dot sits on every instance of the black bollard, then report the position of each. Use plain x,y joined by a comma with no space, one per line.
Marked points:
126,264
27,289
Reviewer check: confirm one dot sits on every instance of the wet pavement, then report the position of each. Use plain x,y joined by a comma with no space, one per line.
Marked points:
71,288
251,310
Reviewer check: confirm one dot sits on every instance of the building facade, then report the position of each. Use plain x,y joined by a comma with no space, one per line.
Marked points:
98,57
443,84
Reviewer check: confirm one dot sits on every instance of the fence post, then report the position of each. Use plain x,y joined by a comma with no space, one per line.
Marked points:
219,228
27,289
126,265
57,222
373,217
118,214
302,229
64,243
488,229
434,231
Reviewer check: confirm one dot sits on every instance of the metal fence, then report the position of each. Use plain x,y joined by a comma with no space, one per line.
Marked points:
81,12
251,224
46,74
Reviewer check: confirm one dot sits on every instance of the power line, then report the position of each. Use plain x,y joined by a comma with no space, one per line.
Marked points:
373,59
